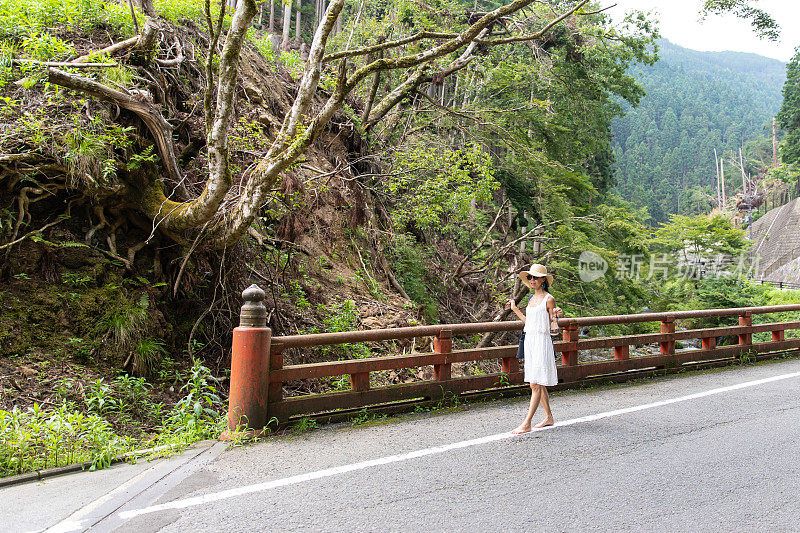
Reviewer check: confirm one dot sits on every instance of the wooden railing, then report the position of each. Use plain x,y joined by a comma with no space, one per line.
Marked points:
781,284
443,356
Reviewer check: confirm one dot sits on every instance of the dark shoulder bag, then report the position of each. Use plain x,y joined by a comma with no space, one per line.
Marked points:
521,348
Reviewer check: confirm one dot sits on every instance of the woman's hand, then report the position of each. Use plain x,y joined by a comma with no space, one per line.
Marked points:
558,312
511,304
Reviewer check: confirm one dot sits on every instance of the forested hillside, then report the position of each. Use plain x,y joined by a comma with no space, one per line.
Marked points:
696,102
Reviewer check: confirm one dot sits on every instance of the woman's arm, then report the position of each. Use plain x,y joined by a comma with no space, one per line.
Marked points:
554,312
513,305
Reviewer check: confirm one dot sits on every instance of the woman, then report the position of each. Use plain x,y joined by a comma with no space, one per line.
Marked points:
540,321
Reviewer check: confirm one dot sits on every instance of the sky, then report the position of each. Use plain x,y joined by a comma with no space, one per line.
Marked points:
680,24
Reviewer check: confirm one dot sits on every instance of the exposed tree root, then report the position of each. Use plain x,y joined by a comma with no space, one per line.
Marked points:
152,118
50,225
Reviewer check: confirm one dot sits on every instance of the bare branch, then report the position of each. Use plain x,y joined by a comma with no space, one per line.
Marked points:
396,95
387,45
483,240
313,71
464,38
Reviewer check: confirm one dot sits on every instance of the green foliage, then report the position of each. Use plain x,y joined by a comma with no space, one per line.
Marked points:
89,150
175,10
343,317
702,235
248,135
21,18
147,156
304,424
100,398
147,355
789,115
763,24
365,417
34,438
44,47
715,293
293,63
408,261
440,186
696,102
263,44
199,414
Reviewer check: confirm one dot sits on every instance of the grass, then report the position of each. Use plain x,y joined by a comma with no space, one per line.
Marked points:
35,438
79,429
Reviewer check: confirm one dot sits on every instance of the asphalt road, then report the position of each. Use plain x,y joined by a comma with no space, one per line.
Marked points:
716,451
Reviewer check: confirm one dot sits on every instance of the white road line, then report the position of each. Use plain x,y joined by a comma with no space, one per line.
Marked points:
328,472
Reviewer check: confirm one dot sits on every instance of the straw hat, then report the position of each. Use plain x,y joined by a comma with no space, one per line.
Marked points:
537,271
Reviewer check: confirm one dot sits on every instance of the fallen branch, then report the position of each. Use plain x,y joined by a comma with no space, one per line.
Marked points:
487,337
392,280
10,158
186,259
62,63
155,122
262,238
117,47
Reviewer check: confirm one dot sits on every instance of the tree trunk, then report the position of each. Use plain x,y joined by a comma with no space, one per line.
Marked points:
287,24
147,7
300,128
719,187
272,16
298,32
372,93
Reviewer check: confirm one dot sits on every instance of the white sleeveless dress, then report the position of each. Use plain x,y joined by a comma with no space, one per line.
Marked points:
540,357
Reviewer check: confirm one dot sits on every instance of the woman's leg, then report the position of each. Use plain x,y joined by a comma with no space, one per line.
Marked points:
548,415
536,395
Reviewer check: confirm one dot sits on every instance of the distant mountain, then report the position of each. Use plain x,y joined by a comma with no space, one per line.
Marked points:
696,102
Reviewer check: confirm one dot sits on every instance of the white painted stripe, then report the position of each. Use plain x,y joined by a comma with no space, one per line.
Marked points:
328,472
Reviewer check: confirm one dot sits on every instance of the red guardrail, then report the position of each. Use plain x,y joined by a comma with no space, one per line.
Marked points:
258,374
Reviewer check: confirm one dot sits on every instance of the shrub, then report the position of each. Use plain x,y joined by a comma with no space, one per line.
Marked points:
34,439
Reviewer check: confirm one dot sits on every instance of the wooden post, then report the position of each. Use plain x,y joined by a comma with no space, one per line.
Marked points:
709,343
667,326
570,334
777,335
623,352
509,365
745,339
359,381
443,343
247,400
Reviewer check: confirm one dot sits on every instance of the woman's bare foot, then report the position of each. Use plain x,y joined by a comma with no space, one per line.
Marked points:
546,422
522,429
